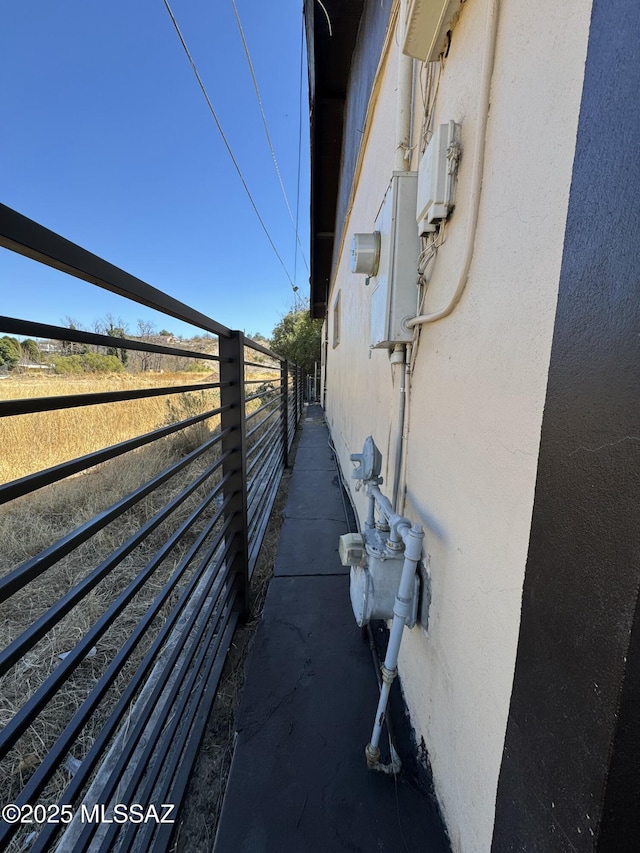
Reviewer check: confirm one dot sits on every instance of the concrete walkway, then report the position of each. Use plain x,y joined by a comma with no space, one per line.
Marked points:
299,780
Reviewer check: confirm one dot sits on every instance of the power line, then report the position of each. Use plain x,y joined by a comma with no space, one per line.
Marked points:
224,139
266,128
295,258
326,14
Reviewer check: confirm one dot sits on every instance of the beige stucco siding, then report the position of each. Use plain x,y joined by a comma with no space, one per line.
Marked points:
349,369
478,387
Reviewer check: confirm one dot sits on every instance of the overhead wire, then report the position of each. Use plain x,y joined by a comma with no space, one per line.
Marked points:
326,14
224,139
295,261
266,127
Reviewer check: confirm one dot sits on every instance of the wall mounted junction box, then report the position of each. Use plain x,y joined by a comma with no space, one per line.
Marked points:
428,22
436,177
394,288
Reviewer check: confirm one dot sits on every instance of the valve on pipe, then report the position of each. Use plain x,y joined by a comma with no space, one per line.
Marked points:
384,580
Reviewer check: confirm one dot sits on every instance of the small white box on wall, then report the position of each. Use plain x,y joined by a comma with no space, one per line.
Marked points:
436,176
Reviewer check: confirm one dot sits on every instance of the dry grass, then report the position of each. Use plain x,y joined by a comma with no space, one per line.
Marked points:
32,523
43,439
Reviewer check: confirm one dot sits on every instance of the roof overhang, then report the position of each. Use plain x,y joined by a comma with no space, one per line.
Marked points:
332,29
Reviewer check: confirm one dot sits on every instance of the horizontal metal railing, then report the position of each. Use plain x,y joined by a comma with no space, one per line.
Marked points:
182,546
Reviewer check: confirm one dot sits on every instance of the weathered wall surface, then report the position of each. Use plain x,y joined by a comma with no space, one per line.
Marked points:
479,379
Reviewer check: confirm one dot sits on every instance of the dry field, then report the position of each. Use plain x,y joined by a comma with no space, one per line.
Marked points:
30,443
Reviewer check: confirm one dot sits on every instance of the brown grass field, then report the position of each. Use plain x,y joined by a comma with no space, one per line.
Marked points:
29,443
32,442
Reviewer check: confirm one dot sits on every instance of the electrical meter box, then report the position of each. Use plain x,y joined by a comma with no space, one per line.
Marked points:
394,288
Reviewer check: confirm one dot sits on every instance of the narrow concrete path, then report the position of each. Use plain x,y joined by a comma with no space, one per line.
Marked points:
299,780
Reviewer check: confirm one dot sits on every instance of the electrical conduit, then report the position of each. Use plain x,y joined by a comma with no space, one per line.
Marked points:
478,166
403,100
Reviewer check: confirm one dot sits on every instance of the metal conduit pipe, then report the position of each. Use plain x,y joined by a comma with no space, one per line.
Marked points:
400,526
412,538
478,166
371,595
399,357
395,766
403,101
402,163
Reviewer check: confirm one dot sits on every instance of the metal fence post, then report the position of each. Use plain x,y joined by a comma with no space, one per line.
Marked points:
284,386
300,392
232,394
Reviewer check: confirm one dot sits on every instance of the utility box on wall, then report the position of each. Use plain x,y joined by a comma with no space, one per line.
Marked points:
393,288
428,23
436,177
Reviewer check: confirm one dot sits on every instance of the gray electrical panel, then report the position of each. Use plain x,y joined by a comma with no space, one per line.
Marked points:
393,289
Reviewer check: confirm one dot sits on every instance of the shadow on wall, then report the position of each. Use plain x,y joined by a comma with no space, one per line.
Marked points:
431,524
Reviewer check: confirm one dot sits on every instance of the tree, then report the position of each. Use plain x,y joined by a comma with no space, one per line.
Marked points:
260,339
122,354
9,352
70,347
31,351
147,360
298,338
115,328
88,362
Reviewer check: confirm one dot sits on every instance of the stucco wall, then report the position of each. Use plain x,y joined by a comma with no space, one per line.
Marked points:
479,381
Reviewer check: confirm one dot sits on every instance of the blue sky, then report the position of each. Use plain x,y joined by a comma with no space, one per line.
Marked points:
107,139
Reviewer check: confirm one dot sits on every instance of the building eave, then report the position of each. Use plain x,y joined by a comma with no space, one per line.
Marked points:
330,51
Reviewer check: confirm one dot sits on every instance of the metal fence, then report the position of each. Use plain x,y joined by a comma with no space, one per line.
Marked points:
180,550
